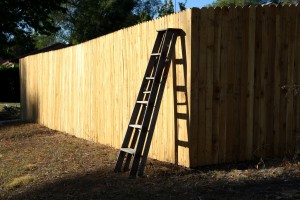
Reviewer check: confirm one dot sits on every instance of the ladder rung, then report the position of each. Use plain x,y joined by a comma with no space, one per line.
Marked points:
150,78
155,54
135,126
128,150
181,116
180,88
183,143
179,61
142,102
147,92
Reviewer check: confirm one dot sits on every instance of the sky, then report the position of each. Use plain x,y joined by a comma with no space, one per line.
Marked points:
193,3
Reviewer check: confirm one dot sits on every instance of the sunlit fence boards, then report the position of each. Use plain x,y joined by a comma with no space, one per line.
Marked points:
229,87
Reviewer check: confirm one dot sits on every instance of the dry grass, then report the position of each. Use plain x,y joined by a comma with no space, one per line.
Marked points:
39,163
19,181
30,167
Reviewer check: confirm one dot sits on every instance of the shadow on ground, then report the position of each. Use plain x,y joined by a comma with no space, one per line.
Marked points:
165,185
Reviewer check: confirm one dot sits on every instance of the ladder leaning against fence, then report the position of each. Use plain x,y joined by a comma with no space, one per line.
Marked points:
142,122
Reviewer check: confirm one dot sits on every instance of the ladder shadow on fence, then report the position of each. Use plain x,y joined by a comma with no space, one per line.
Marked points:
181,104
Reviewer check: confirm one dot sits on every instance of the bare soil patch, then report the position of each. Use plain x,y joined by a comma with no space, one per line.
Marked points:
39,163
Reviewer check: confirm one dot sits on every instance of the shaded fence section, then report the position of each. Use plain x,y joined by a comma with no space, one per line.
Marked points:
223,100
241,58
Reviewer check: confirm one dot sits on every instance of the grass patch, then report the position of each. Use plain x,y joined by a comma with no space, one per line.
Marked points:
13,113
2,104
30,167
20,181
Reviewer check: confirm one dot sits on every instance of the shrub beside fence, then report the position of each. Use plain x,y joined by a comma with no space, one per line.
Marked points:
223,103
9,84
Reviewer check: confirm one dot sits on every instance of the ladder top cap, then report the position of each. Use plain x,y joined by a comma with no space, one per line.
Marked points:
169,29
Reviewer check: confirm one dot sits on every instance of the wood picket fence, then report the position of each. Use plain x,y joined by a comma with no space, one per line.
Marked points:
229,97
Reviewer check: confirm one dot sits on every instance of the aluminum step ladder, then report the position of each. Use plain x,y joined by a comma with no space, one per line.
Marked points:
140,130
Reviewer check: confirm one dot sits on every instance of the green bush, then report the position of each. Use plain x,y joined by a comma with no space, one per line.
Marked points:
9,84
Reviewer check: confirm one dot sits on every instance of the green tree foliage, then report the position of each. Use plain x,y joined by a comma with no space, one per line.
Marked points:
20,18
84,19
182,5
166,9
146,9
222,3
62,20
251,2
20,44
93,18
289,1
42,41
78,20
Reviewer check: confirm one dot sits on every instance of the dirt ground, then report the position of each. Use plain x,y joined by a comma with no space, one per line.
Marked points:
39,163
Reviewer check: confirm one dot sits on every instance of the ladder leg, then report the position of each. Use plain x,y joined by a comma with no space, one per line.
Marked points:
127,162
137,113
129,156
143,133
120,161
122,154
134,138
137,157
141,142
152,125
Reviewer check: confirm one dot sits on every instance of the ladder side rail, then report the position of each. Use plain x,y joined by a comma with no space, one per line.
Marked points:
156,71
145,84
136,133
137,107
160,38
151,62
138,112
157,106
149,110
157,48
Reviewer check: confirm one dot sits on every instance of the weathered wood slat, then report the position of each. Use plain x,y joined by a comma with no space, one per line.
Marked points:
250,82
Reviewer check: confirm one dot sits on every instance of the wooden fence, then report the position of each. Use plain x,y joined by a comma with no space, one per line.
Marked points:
224,103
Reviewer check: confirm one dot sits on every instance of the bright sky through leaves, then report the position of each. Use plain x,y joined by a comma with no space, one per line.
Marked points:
193,3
